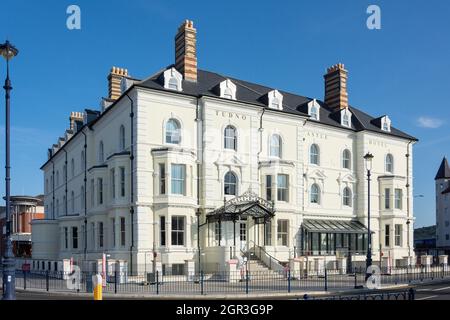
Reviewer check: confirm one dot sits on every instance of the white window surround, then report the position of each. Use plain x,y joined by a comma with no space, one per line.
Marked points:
275,100
314,106
275,146
173,78
346,118
386,124
125,84
227,89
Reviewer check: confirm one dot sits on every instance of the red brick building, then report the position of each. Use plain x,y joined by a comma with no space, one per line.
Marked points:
23,210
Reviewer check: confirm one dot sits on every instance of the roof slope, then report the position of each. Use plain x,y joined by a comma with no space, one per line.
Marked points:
444,170
292,103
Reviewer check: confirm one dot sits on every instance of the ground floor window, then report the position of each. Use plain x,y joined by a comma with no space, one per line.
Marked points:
316,243
178,228
268,235
178,269
282,232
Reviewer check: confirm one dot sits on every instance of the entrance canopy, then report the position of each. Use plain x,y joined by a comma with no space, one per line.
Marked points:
246,205
334,226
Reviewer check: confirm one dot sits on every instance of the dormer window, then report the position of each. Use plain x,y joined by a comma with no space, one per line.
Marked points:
125,84
314,110
275,100
227,90
346,118
172,79
386,124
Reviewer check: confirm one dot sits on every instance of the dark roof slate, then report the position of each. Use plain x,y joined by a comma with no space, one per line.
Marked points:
444,170
255,94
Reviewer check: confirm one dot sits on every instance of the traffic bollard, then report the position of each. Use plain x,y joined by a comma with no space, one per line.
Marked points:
98,286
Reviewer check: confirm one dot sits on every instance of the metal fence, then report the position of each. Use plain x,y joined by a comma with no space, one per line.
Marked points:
235,282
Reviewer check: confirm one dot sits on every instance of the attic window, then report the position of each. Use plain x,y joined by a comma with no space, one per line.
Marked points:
172,79
314,110
386,124
275,100
227,90
346,118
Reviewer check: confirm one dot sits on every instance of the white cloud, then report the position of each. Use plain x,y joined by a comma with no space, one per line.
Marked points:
427,122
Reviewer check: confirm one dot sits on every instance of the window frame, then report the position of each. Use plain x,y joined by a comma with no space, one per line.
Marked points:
276,146
283,190
314,158
175,180
171,134
317,187
283,232
178,235
230,141
347,197
230,185
346,157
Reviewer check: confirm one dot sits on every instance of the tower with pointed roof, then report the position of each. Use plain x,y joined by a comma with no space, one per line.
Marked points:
442,180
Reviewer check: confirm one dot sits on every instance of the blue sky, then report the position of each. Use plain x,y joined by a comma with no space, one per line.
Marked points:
401,70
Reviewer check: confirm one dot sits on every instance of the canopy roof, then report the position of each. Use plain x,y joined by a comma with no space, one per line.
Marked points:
334,226
249,204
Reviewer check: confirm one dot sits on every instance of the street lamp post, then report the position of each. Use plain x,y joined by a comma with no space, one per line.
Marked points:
198,213
8,51
368,160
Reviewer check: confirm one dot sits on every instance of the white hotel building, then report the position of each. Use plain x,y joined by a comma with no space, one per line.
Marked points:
145,179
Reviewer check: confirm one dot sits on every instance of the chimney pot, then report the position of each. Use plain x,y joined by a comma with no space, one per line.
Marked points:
185,51
336,96
114,79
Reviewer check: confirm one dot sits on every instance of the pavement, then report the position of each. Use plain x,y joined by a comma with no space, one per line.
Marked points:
432,290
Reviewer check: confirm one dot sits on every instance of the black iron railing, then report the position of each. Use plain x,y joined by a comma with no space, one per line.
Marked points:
241,281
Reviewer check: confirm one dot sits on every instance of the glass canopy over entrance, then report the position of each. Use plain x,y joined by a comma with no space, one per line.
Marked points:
240,210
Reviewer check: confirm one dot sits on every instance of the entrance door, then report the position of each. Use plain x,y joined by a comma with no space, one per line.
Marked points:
243,236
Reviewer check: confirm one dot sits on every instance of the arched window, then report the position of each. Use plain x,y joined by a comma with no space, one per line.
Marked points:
230,141
57,178
389,163
230,184
173,134
72,201
122,138
314,155
65,172
275,146
72,167
347,197
315,194
101,155
57,207
314,113
346,159
83,165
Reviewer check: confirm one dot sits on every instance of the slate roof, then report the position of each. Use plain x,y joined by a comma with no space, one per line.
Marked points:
444,170
254,94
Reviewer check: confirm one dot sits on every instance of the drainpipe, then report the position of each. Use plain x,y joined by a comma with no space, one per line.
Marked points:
198,213
131,178
65,178
53,189
408,198
85,195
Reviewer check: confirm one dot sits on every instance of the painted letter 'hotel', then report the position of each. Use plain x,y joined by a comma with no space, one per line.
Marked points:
190,169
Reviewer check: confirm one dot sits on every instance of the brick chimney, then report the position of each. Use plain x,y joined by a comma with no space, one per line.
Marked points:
336,96
74,118
185,51
114,78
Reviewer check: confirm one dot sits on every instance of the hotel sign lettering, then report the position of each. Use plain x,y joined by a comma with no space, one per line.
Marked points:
231,115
